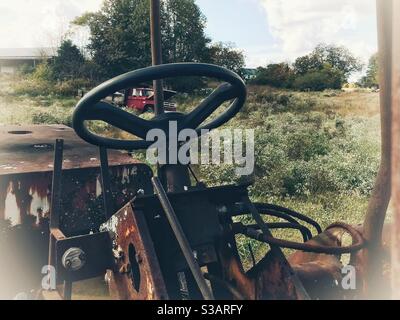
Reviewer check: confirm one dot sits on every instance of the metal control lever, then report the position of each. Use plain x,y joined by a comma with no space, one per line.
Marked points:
182,240
302,293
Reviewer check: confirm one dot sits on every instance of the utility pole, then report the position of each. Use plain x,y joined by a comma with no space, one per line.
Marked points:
156,54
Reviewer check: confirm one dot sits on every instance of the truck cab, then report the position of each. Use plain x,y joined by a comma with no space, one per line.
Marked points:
142,99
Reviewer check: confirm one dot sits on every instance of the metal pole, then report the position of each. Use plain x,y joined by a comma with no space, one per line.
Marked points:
156,54
396,153
106,183
379,201
55,197
56,184
182,240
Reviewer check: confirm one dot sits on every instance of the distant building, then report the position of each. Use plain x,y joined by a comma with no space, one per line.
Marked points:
249,74
12,59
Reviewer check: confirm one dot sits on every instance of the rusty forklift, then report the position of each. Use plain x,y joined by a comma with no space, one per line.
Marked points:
165,237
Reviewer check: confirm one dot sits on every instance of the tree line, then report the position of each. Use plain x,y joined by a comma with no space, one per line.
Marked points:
120,42
326,67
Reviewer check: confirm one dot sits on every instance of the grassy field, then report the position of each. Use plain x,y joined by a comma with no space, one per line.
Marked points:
358,112
316,153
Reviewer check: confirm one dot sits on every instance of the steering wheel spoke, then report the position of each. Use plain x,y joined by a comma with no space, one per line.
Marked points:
207,107
121,119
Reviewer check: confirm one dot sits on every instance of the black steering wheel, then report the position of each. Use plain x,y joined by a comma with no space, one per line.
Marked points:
90,107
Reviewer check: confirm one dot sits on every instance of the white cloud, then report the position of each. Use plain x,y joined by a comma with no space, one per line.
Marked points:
298,26
31,23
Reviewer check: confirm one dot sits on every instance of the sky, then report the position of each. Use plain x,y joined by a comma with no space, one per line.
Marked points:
266,30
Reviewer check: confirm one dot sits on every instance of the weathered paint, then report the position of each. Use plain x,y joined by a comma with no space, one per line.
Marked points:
27,149
26,156
138,275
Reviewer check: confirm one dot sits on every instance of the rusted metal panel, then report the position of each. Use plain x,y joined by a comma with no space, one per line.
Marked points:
27,196
270,279
25,149
26,164
138,274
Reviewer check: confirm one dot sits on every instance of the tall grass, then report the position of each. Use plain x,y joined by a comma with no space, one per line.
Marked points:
317,153
312,153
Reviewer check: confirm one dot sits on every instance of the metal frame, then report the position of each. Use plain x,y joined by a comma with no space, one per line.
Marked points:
156,54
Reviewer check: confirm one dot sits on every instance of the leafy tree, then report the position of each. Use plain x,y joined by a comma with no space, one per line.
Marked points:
183,34
69,62
225,55
307,63
120,34
277,75
339,58
222,54
371,77
119,38
318,80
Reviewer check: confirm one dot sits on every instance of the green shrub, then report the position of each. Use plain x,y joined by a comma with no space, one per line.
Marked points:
277,75
52,117
43,82
70,87
35,87
319,80
43,72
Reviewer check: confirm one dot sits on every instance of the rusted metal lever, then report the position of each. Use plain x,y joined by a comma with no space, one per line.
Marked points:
302,293
182,240
55,233
106,183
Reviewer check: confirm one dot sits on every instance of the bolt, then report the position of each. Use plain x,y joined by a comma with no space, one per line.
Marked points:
68,264
73,259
